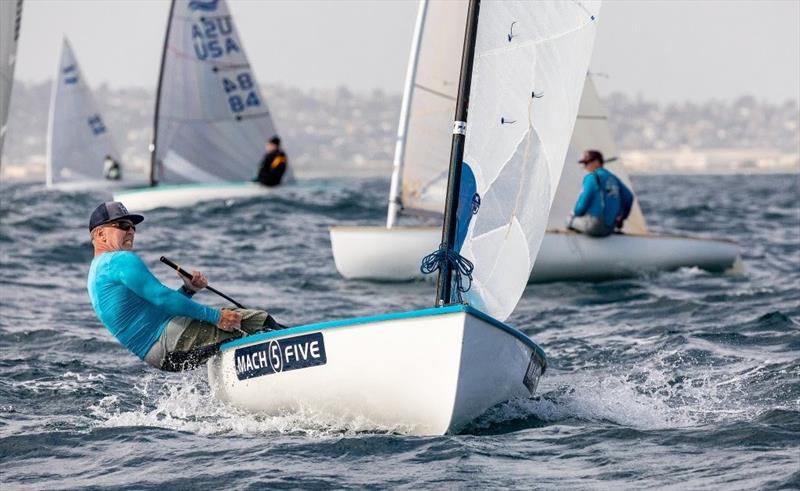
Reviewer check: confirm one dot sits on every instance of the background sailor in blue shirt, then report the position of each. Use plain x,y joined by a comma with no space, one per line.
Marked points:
604,203
161,326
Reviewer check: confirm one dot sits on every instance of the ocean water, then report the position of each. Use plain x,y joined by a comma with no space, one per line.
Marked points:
681,379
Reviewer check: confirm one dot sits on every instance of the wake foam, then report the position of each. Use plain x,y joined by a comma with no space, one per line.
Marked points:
589,398
668,392
644,398
184,402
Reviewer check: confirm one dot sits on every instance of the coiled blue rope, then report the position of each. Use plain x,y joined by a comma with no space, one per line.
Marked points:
448,258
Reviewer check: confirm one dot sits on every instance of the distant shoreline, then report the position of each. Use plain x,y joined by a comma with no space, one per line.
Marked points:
385,172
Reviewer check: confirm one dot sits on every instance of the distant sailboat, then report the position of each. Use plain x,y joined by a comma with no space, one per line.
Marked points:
433,371
418,182
10,20
78,139
211,121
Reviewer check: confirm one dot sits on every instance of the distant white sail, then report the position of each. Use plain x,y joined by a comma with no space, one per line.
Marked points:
435,88
529,69
591,132
212,121
10,20
78,139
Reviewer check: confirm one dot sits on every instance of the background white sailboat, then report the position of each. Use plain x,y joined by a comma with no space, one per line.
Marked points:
78,138
211,121
433,371
392,253
10,20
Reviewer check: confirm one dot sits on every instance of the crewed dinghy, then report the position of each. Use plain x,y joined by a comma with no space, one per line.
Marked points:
433,371
392,253
78,138
10,20
211,121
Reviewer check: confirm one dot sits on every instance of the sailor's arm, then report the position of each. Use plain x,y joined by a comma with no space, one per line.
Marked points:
192,285
134,274
263,166
626,200
277,161
585,198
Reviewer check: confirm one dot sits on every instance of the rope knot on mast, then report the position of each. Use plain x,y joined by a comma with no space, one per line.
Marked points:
448,258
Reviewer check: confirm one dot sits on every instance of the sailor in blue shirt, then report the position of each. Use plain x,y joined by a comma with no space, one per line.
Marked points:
161,326
604,203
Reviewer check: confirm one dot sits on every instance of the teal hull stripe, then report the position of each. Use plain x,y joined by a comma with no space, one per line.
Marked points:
451,309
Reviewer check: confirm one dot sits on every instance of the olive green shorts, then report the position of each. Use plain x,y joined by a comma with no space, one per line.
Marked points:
187,343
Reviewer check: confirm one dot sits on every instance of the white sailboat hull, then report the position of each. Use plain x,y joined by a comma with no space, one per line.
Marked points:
427,372
181,195
381,254
97,185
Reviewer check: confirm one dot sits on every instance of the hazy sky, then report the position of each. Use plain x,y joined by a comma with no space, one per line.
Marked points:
665,50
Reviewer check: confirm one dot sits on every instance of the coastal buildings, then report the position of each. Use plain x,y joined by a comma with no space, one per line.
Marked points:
327,130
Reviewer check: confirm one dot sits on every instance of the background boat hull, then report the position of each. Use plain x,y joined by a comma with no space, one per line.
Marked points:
97,185
181,195
381,254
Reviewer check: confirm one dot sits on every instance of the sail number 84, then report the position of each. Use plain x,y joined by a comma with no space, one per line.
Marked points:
241,92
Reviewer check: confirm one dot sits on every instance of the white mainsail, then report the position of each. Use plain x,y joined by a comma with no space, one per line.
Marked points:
529,69
10,20
591,132
211,120
435,88
78,139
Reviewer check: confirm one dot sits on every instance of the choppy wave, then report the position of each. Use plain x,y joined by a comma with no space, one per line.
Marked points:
677,379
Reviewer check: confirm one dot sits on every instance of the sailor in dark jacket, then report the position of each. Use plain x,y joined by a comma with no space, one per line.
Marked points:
273,165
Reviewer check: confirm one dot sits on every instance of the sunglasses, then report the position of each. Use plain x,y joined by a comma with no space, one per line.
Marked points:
124,226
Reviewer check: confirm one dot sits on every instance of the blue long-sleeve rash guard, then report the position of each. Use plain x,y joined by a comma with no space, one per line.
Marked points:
133,304
618,198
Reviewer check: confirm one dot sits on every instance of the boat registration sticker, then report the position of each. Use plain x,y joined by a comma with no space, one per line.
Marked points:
280,355
533,373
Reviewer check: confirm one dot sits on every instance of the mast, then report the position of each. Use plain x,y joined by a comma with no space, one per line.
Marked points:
153,163
444,281
402,127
